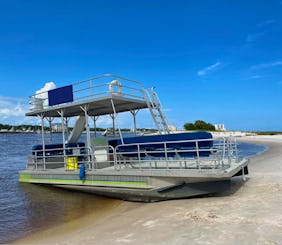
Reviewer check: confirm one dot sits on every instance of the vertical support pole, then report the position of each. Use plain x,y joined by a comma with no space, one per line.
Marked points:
134,113
50,119
95,118
67,124
139,156
43,141
223,152
88,139
166,160
229,151
243,173
198,155
61,113
113,120
114,117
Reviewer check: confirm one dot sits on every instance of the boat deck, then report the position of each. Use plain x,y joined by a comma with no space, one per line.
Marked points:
96,106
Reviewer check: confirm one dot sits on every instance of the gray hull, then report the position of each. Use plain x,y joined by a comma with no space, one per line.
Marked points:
184,190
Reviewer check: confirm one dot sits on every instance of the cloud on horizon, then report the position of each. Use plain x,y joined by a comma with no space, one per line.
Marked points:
12,110
266,23
266,65
255,77
209,69
253,37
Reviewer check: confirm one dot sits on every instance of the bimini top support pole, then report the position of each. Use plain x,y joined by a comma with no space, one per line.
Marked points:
61,113
50,119
114,118
95,118
43,140
85,110
134,113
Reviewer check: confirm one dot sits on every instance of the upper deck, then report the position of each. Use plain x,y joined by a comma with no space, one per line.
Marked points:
103,95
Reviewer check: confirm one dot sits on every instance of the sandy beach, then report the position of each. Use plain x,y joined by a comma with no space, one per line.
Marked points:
250,214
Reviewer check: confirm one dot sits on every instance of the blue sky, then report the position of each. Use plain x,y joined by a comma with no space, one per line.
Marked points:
219,61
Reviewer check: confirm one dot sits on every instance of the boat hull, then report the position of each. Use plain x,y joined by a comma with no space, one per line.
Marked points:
184,190
140,185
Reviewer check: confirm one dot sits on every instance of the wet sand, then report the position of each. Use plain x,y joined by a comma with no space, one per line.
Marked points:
250,214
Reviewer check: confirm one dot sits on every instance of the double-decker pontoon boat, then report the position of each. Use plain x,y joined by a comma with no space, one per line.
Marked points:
140,168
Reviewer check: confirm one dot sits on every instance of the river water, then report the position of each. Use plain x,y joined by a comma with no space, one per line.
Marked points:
27,208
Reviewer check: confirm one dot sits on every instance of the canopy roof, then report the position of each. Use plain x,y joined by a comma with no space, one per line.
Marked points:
96,107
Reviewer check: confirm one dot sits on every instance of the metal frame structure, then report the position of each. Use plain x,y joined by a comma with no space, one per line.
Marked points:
153,173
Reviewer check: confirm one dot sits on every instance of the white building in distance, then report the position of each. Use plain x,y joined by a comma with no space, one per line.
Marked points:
220,127
171,128
57,127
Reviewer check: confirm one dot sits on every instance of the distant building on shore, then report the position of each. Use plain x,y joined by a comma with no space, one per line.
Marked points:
220,127
57,127
171,127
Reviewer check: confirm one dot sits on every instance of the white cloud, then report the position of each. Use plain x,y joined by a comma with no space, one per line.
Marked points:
266,65
266,23
254,37
255,77
12,110
41,93
209,69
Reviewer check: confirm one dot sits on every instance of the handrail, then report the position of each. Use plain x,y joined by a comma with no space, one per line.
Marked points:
216,153
63,153
161,156
84,89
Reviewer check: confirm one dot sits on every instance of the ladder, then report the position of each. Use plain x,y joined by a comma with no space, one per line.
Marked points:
154,105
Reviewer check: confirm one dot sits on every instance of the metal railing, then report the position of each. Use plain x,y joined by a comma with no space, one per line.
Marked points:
222,153
94,88
163,155
68,158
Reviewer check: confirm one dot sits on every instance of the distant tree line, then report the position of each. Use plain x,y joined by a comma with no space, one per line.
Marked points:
27,127
199,125
20,127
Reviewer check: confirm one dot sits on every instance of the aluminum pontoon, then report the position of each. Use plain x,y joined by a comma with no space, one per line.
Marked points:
138,168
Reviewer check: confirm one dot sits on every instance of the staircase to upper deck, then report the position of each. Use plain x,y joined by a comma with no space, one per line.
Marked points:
155,108
103,95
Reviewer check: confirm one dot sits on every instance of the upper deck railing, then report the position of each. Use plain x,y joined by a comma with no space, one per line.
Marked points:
93,88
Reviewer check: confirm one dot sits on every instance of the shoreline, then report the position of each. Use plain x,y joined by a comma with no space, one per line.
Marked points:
251,213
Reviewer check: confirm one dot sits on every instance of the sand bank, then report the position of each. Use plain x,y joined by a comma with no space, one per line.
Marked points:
250,214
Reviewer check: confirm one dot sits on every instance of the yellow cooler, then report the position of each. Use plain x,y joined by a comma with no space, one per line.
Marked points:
72,163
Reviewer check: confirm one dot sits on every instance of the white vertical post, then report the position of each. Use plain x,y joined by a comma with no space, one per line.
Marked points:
166,160
50,128
134,113
243,173
95,118
88,139
113,120
114,117
198,155
63,134
43,141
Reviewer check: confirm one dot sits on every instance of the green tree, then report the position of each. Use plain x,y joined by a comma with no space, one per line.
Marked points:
189,126
199,125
